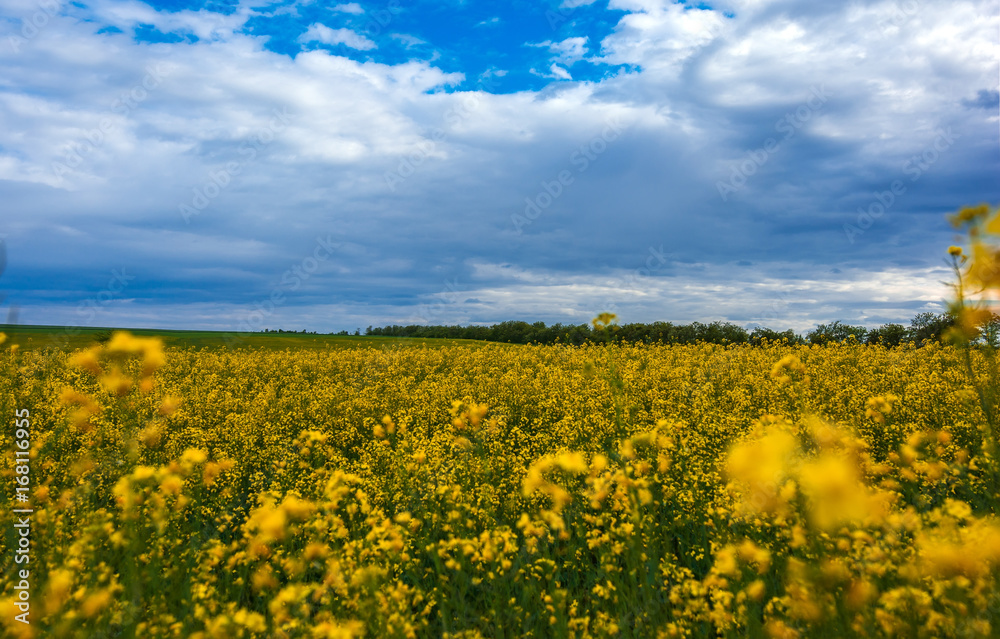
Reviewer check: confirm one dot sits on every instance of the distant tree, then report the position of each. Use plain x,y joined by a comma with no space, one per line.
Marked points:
888,335
761,334
990,332
836,332
930,326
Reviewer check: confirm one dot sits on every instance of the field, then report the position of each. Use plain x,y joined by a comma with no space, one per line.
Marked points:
499,491
72,338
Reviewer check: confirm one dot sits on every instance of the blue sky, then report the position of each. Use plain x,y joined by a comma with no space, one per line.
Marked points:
242,165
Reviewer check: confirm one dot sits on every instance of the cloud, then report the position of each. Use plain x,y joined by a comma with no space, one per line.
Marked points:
985,99
351,7
407,40
567,51
322,33
280,151
559,72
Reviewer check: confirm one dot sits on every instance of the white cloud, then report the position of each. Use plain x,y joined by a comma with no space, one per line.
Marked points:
322,33
206,25
559,72
408,40
350,7
567,51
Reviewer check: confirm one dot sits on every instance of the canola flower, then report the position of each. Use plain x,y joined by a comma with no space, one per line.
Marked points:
684,491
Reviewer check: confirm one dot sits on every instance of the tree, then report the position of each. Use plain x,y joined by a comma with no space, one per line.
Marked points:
888,335
930,326
836,332
761,334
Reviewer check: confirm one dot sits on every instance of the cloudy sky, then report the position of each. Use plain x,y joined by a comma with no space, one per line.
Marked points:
235,165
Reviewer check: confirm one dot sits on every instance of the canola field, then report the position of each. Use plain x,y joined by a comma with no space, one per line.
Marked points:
556,491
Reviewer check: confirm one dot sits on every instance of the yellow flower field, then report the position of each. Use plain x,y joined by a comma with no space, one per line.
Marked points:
498,491
504,492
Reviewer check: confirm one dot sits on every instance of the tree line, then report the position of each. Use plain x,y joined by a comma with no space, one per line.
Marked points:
925,326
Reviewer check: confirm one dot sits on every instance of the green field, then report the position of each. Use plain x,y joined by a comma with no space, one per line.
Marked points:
71,338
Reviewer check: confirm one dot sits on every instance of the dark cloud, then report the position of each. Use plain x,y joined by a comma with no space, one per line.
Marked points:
985,99
712,167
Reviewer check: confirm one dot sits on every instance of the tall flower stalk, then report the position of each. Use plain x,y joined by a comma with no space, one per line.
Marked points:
977,293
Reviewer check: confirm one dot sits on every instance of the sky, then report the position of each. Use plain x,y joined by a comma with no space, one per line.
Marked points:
241,165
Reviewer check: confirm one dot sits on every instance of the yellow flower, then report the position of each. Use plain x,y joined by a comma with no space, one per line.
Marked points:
969,215
57,590
993,226
756,590
263,578
252,621
984,269
782,369
836,493
777,629
169,405
572,463
338,630
878,407
142,473
171,485
604,320
860,593
763,465
95,603
151,349
972,550
150,435
116,383
212,470
750,552
88,360
271,522
297,509
193,456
